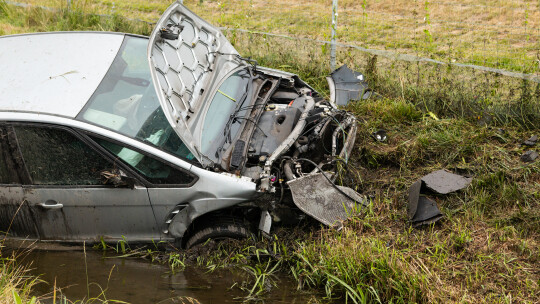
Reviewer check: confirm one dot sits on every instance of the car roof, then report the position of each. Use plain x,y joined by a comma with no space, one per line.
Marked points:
54,73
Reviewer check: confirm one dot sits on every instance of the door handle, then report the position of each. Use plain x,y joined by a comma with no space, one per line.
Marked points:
50,204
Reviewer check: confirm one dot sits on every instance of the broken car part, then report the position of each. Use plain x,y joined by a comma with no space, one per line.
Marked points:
531,141
194,132
529,156
329,204
379,135
444,182
423,210
346,85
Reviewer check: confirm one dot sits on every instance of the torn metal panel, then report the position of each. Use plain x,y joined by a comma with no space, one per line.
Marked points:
320,199
444,182
346,85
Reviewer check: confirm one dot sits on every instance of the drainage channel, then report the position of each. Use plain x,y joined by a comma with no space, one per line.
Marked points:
81,276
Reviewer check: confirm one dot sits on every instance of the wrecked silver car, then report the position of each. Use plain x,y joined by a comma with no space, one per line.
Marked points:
105,136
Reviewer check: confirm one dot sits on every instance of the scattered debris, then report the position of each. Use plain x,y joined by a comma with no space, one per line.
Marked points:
315,195
529,156
444,182
117,178
423,210
346,84
380,135
531,141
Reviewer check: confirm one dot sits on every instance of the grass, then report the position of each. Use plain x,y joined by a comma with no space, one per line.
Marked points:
496,34
15,20
445,90
15,282
486,249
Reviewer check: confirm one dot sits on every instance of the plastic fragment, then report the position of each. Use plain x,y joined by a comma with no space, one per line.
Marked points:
444,182
423,210
529,156
531,141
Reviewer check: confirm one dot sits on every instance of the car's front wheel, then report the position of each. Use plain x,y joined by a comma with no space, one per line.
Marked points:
220,229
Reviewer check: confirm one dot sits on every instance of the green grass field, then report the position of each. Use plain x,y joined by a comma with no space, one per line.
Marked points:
485,250
491,33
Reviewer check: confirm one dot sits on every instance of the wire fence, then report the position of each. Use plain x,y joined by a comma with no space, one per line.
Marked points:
438,53
496,34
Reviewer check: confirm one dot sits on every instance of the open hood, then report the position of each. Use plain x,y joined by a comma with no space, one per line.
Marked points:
188,57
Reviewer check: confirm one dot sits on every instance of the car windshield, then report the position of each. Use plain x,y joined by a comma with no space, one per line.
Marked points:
224,117
126,101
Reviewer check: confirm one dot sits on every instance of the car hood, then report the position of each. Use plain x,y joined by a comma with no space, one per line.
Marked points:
188,57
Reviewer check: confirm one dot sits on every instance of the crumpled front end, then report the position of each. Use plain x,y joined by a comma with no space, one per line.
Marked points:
296,149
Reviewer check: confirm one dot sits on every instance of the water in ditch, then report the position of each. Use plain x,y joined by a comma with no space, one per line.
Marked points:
82,276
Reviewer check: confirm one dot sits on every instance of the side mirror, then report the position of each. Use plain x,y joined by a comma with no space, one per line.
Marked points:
117,178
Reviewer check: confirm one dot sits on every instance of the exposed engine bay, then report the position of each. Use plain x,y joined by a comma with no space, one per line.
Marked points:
293,134
264,126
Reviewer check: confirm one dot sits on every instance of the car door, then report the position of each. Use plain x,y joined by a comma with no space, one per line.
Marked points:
66,193
170,186
16,218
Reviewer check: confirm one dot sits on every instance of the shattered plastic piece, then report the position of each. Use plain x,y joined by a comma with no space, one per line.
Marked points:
380,135
414,194
529,156
346,85
423,210
320,199
444,182
531,141
427,212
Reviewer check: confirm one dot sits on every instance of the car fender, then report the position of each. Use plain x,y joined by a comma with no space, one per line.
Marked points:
224,190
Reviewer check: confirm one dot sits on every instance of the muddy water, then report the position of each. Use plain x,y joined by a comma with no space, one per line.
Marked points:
137,281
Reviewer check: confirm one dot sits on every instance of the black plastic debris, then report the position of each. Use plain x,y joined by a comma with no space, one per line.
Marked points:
531,141
529,156
167,33
423,210
346,85
380,135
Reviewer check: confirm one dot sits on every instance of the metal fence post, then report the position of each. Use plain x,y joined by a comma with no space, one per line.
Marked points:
334,28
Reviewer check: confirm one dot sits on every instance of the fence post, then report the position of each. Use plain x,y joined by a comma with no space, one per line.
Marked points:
334,28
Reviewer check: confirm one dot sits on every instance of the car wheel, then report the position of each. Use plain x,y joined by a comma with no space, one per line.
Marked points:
220,229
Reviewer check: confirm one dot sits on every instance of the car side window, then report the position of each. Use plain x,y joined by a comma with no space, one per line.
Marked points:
4,174
57,157
5,177
153,170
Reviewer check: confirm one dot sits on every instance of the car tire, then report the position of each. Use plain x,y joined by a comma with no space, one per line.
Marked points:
221,229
